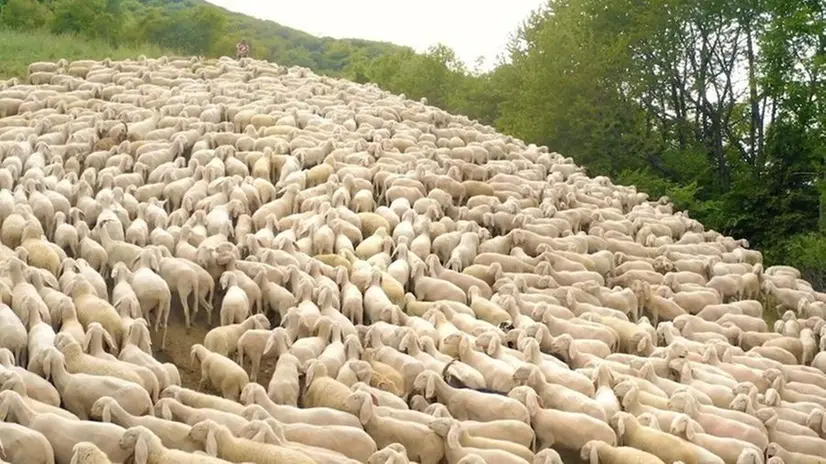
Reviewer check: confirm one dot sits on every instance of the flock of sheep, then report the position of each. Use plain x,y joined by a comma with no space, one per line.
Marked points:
427,289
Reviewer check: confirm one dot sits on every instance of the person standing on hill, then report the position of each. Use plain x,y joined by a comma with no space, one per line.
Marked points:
242,49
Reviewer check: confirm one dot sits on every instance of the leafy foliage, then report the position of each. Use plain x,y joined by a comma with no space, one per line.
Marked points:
189,27
20,48
718,105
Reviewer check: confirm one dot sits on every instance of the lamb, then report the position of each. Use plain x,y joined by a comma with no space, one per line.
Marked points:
774,451
61,433
284,384
255,395
137,350
558,396
801,444
218,441
219,371
273,434
79,362
224,340
717,425
79,391
170,409
455,452
87,452
729,449
467,404
173,434
10,380
348,441
386,430
468,440
596,451
667,447
556,427
29,445
14,333
201,400
149,449
37,387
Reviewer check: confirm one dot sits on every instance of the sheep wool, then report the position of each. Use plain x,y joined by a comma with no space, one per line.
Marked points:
393,284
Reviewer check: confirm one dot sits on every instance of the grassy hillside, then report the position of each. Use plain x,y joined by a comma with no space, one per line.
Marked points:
189,27
21,48
289,46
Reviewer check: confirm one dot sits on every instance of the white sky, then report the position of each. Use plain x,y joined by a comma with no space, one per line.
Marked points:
470,27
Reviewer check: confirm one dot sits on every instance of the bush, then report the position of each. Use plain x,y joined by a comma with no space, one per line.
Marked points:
25,14
807,252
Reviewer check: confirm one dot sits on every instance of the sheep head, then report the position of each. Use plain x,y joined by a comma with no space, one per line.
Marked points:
360,404
425,383
442,425
85,451
206,432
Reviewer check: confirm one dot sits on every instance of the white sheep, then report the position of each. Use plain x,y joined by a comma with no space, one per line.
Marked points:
218,441
421,443
148,448
219,371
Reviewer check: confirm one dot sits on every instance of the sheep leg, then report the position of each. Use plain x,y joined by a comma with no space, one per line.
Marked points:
185,304
165,312
239,356
202,383
255,362
195,292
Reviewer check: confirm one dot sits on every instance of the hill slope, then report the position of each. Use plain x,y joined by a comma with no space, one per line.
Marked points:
520,245
21,48
190,27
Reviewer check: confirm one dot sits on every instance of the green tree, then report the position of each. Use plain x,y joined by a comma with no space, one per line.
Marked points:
92,18
24,14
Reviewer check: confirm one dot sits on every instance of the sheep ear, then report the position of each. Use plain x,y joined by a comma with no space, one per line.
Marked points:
492,346
166,414
365,411
145,343
689,430
261,437
211,444
110,341
642,345
87,340
532,403
593,457
141,451
620,427
430,387
47,366
308,377
106,414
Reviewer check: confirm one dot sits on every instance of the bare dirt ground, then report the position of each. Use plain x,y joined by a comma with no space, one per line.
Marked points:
179,343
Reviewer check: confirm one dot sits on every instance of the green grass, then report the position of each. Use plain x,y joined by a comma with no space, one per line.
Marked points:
20,48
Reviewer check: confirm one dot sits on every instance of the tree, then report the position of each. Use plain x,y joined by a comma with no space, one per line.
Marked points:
91,18
24,14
